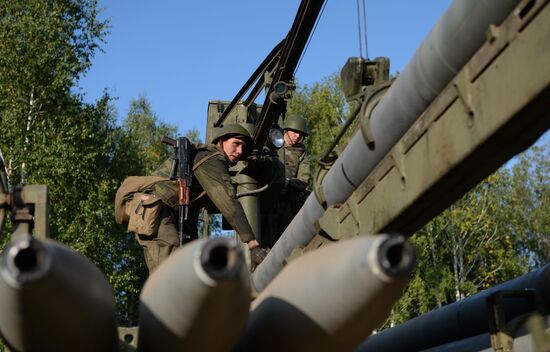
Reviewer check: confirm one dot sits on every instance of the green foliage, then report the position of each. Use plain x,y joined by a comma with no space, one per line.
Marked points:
324,107
139,151
496,232
530,205
141,137
44,47
50,136
194,136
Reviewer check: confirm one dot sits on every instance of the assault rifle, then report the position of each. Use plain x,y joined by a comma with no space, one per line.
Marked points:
181,170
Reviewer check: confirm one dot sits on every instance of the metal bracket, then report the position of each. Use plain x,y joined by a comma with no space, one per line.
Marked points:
463,92
4,206
29,205
330,224
318,187
128,338
502,331
398,157
541,339
372,99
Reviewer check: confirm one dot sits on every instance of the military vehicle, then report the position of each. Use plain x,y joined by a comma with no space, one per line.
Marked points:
475,94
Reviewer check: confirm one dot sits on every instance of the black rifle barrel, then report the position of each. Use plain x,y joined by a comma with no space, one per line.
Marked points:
184,185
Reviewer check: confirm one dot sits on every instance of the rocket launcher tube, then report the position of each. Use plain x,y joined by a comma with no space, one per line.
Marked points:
203,279
332,298
54,299
455,38
462,319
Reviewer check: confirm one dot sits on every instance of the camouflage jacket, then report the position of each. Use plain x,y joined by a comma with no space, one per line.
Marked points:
296,163
211,186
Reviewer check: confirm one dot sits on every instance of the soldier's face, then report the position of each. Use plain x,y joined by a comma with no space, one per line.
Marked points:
233,148
292,137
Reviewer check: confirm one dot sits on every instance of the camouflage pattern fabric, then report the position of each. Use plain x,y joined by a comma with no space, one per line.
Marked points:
297,166
157,248
211,189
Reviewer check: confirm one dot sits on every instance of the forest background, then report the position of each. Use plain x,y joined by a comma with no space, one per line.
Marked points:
83,151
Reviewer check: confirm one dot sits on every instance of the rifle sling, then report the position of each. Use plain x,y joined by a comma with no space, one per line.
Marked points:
196,166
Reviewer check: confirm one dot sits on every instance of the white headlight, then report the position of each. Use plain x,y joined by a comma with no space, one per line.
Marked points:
276,138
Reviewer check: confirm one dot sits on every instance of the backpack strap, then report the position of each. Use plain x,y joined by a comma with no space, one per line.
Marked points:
196,166
205,159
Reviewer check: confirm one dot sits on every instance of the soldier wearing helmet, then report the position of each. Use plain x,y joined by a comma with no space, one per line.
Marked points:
297,177
295,156
211,189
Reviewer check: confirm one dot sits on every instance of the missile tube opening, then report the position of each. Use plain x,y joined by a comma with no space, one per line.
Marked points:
396,256
25,260
220,258
128,338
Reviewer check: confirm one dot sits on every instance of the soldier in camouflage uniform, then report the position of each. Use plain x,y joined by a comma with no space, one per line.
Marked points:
297,177
211,189
295,157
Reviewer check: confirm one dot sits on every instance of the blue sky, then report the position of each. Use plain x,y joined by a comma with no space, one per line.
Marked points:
181,54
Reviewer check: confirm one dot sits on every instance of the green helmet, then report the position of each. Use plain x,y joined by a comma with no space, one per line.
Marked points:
296,123
232,130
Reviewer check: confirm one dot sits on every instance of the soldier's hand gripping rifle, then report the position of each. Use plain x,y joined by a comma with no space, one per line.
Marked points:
181,170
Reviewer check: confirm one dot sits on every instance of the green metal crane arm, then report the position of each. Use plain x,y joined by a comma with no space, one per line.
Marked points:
294,45
266,65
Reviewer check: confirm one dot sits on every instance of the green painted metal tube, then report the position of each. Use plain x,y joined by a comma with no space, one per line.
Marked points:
54,299
454,39
197,300
465,318
332,298
250,203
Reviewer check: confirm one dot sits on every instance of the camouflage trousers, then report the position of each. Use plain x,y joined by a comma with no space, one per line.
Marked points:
157,248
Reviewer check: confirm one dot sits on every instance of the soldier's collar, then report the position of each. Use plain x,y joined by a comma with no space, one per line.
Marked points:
220,149
296,146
